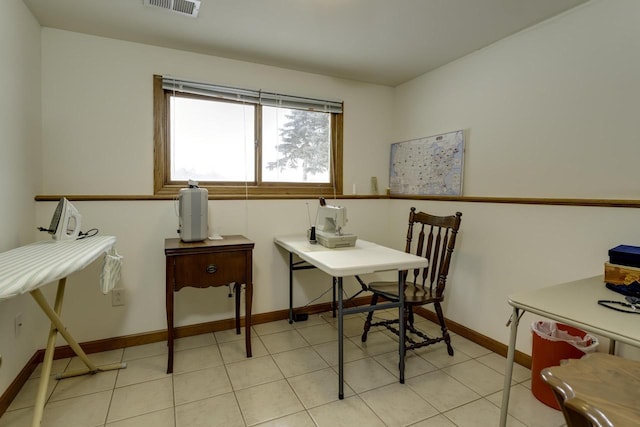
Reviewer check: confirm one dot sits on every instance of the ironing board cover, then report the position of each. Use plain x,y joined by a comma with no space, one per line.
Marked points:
28,267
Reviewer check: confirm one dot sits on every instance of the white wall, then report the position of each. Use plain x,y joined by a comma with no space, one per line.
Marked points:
98,117
549,112
19,168
98,136
141,228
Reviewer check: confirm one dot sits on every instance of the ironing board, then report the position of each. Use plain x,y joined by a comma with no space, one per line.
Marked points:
27,268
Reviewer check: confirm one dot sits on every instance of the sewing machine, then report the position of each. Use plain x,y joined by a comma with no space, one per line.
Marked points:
329,223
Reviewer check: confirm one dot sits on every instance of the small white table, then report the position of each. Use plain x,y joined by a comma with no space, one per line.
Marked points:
26,269
363,258
575,304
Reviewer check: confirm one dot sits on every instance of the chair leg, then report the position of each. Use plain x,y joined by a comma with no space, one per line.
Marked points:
408,309
408,322
367,323
443,327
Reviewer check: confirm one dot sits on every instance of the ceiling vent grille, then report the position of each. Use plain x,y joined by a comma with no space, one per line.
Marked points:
182,7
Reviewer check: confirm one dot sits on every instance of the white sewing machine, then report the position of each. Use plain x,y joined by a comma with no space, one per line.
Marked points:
329,223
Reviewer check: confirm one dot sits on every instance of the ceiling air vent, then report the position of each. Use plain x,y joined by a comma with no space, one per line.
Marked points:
182,7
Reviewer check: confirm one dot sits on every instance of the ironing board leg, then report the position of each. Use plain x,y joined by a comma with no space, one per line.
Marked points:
57,326
48,356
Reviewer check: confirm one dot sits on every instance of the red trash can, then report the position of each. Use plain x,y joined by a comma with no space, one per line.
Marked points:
553,342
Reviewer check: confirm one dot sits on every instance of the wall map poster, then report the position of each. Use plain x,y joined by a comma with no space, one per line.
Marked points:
428,166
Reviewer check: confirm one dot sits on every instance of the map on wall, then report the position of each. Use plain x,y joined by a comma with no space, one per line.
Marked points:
428,166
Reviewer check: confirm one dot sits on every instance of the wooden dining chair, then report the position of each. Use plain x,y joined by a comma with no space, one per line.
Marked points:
433,237
599,390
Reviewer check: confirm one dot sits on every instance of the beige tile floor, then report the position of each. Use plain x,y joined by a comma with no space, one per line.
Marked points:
291,380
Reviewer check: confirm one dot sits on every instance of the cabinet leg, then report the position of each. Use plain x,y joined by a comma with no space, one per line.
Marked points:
170,330
237,289
247,318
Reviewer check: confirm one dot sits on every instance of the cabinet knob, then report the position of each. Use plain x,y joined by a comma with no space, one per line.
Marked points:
212,268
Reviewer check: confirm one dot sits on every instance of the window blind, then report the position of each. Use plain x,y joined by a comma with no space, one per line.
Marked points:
251,96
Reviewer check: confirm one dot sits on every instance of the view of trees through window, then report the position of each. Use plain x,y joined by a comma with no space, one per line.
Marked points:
213,141
300,150
234,141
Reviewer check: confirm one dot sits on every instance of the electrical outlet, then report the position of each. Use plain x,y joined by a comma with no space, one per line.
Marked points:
117,297
18,324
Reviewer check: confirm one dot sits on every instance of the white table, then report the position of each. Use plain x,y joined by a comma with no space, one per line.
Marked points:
575,304
26,269
364,258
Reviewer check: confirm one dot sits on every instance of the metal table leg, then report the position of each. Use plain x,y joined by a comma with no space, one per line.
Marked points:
293,266
506,390
290,287
340,342
333,300
401,351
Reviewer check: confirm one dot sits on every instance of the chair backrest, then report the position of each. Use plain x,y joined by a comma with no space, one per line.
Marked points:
434,238
576,411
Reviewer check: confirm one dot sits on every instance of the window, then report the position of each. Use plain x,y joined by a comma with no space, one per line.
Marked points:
240,142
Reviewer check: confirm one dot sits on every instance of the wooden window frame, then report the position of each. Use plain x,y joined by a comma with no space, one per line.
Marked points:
162,184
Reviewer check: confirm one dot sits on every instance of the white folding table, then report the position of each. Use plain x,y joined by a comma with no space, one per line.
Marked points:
574,304
27,268
363,258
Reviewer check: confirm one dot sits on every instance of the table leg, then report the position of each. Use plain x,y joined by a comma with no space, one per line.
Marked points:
402,325
247,317
170,331
340,343
333,300
290,287
506,390
237,289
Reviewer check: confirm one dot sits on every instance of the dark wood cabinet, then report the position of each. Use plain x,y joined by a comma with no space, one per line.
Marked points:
210,263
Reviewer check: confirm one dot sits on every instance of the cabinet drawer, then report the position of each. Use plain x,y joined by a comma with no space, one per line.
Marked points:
214,269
